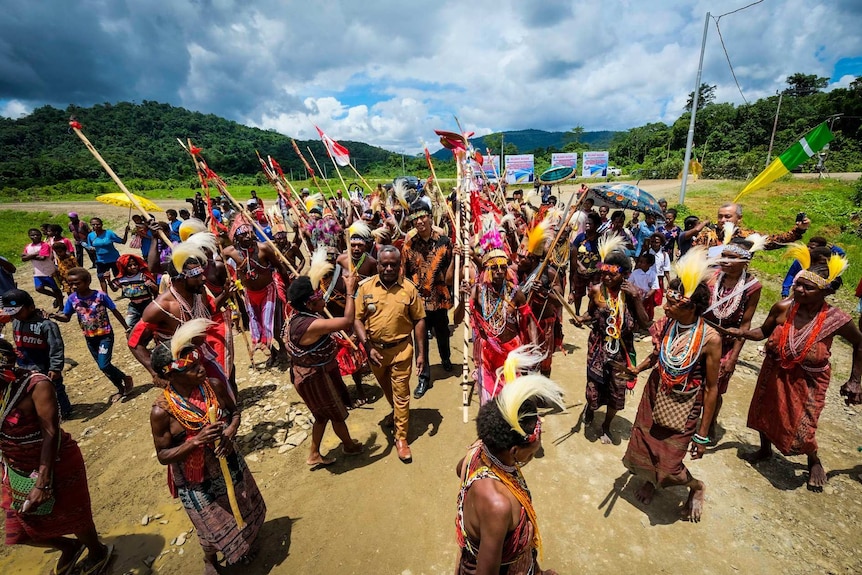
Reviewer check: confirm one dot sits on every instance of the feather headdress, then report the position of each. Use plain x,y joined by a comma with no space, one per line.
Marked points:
375,202
522,359
516,392
359,228
508,220
800,253
182,252
401,194
276,220
319,266
537,237
204,240
382,233
313,201
837,265
187,332
191,227
728,230
758,242
693,268
610,243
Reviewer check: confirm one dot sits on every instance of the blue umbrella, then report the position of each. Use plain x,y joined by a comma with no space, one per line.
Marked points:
626,197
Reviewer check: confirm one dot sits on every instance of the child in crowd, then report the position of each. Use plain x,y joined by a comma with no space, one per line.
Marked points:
137,284
645,279
66,261
91,307
40,254
656,245
670,231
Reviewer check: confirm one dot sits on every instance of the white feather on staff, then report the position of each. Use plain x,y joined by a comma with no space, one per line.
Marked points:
401,194
319,266
187,332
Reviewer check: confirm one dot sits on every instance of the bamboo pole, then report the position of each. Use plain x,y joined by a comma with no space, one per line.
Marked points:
228,480
325,180
76,127
440,190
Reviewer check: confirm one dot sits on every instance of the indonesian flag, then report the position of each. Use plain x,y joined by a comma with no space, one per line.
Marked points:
796,155
339,153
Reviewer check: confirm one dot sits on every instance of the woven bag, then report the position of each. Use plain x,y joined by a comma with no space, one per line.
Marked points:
671,408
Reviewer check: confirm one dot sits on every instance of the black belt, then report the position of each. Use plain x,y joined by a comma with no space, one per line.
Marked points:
389,345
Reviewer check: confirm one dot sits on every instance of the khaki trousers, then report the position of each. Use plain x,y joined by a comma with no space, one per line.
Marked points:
393,375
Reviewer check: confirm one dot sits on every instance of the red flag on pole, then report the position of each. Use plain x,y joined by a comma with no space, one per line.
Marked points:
339,153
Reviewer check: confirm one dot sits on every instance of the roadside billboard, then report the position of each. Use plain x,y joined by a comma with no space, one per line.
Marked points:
595,165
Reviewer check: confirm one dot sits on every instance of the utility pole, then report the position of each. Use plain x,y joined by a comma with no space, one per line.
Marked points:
774,127
694,101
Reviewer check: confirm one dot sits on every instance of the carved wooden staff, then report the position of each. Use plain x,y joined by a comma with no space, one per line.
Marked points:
464,185
76,127
228,480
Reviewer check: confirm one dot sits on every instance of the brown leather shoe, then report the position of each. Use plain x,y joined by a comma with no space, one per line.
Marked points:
403,450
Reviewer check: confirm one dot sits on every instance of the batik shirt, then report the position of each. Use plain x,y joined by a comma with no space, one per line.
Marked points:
425,264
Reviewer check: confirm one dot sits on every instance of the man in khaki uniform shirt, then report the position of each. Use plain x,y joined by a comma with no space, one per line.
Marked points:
388,311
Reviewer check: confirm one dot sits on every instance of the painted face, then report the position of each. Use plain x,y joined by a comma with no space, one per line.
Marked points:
389,266
498,274
245,239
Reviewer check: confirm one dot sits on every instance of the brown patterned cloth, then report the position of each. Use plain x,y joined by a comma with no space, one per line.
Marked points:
709,237
425,264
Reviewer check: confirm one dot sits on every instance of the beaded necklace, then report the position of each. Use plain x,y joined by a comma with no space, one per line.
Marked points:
187,414
357,265
674,367
789,349
728,308
496,317
195,311
616,317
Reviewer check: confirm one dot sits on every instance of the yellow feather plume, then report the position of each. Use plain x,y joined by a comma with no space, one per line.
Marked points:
204,240
537,236
401,194
837,264
523,358
187,332
375,203
181,252
191,227
610,243
313,201
515,393
319,267
359,228
693,268
729,229
800,253
382,233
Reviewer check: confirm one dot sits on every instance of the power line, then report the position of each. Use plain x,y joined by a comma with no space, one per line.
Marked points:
724,47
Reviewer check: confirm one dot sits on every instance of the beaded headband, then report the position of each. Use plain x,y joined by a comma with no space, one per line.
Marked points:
537,431
738,250
417,214
612,268
818,280
190,273
243,229
495,256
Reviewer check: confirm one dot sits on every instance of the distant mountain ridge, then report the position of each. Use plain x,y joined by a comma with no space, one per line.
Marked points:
527,141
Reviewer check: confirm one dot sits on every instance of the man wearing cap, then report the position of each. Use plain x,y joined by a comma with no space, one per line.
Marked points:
388,311
429,264
38,342
80,230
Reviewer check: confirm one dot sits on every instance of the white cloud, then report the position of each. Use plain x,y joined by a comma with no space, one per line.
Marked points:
15,109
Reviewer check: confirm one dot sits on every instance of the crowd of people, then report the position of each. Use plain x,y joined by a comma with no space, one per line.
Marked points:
364,285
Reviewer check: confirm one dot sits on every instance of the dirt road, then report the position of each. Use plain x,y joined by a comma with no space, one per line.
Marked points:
374,514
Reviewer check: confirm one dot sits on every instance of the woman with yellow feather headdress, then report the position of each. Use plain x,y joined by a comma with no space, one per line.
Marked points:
791,389
687,352
734,295
194,422
615,310
495,508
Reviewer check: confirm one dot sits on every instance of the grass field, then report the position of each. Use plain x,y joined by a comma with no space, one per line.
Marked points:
14,226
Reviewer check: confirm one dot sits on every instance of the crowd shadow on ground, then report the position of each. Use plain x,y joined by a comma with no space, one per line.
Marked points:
665,508
272,548
621,428
131,550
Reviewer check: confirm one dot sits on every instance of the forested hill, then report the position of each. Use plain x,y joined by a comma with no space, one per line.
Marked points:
140,141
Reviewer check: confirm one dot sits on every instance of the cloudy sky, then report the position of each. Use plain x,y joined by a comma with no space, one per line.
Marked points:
388,72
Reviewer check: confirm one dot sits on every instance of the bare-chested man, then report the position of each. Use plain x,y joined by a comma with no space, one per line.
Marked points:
258,267
183,301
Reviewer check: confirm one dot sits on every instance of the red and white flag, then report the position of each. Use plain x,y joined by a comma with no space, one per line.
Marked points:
339,153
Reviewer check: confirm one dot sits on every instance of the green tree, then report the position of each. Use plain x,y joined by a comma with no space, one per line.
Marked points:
805,84
705,97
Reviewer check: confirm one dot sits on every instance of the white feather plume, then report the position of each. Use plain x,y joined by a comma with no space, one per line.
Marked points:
319,266
729,229
187,332
204,240
514,394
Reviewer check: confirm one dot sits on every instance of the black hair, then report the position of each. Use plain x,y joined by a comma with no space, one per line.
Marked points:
690,222
660,236
496,433
650,258
822,269
671,211
80,272
819,253
161,357
34,230
818,240
700,297
617,214
595,219
620,259
171,212
185,214
299,291
56,229
742,242
97,218
7,350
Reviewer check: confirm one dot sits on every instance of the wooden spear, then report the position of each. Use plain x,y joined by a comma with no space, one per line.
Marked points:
76,127
325,180
228,480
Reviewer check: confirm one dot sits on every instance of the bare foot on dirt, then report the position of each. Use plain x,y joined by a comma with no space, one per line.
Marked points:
816,477
761,454
318,459
694,506
357,448
645,493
